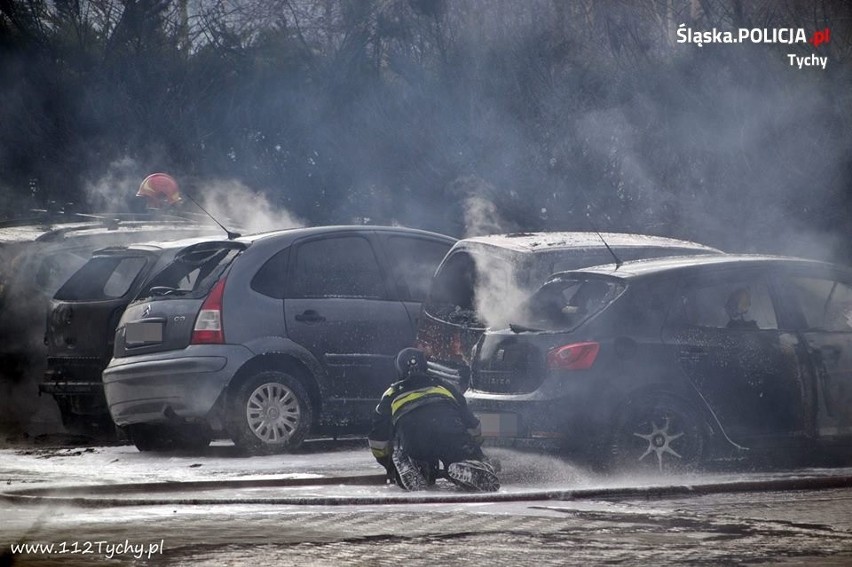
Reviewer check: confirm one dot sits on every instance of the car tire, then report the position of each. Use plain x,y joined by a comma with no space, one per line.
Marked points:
656,435
270,413
149,437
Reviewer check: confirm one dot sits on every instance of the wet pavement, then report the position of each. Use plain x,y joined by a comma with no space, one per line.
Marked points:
184,516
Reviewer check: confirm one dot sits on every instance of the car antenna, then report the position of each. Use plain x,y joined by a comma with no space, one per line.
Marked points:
618,261
231,234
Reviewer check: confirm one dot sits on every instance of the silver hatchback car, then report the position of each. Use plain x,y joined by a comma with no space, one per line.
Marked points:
269,337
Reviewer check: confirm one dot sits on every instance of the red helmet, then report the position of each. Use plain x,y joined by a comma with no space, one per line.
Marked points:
159,189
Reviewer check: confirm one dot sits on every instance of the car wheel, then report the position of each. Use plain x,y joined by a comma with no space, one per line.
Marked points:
660,435
148,437
270,413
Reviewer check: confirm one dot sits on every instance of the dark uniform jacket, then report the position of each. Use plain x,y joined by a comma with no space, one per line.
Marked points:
406,396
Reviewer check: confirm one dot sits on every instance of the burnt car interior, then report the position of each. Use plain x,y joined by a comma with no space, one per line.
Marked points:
735,305
565,304
452,294
826,304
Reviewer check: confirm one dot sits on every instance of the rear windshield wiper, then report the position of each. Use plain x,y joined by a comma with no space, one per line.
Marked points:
162,290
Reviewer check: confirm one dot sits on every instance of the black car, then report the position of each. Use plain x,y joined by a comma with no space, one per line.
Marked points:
484,277
81,323
671,363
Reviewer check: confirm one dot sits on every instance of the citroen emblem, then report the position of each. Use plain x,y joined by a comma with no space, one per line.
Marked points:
146,310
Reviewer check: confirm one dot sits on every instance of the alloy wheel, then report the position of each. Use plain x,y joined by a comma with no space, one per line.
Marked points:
660,442
272,412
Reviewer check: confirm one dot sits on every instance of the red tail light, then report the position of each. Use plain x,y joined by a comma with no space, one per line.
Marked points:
208,325
576,356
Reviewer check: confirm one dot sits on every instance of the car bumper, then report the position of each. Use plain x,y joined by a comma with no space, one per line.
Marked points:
528,423
161,387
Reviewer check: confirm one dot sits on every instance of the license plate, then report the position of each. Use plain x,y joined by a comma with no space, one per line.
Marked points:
142,333
498,424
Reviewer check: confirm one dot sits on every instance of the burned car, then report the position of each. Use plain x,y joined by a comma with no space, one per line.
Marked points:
81,323
673,363
482,278
269,337
37,255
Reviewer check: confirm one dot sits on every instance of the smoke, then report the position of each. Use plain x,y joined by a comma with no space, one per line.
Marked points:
35,271
114,190
497,293
244,208
733,155
480,213
229,201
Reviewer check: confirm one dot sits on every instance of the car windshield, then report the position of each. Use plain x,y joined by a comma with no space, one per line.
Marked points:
102,277
193,271
564,304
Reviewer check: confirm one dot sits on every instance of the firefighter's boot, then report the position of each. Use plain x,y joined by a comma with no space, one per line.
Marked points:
474,476
408,473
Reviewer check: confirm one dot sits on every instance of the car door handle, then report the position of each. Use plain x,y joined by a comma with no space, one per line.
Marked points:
310,316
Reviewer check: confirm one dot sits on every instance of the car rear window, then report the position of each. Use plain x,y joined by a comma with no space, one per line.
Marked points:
54,269
565,303
193,271
102,278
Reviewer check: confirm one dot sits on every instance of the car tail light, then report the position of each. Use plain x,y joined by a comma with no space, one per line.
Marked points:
576,356
208,325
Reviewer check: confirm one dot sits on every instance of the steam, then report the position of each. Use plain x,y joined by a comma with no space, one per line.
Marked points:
244,208
36,277
115,190
498,297
497,293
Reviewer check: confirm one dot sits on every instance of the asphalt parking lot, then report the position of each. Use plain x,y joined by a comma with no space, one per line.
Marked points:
326,507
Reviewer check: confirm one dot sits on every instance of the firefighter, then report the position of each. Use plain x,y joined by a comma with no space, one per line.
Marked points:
422,423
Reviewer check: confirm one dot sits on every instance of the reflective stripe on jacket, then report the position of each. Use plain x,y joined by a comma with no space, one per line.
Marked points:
404,396
379,448
410,400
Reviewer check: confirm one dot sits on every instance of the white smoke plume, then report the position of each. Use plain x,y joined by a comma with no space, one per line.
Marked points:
229,201
115,190
234,202
497,295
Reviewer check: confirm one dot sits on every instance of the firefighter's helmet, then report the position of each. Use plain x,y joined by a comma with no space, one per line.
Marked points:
159,189
410,361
